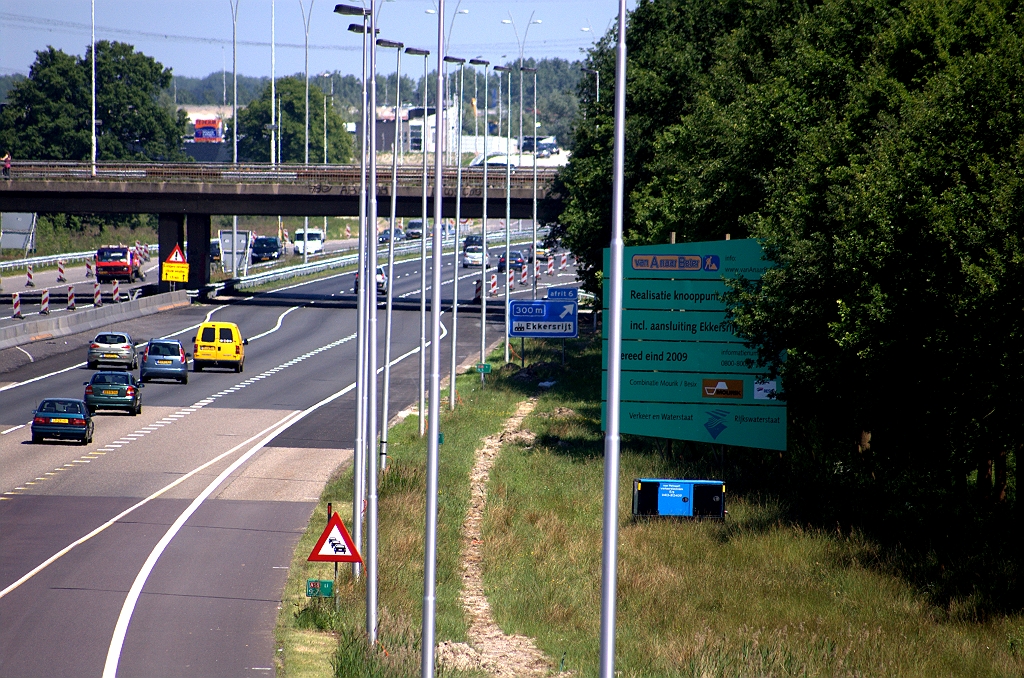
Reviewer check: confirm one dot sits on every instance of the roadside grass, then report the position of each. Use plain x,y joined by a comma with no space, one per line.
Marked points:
755,595
306,627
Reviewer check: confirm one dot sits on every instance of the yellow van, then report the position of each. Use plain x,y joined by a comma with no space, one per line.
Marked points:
218,344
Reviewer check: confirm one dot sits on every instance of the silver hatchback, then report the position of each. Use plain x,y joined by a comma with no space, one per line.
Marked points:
115,348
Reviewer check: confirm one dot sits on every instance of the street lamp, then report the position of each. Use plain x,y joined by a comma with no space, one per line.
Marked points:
361,400
234,124
423,245
508,197
305,24
522,47
455,249
533,245
397,46
483,230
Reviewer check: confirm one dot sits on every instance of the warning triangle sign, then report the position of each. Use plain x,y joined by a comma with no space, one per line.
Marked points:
176,256
335,545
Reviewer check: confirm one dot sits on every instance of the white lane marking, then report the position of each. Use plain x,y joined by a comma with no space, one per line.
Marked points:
276,327
43,565
132,599
13,428
30,358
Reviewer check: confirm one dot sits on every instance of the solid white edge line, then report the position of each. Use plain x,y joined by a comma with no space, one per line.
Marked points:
280,319
30,358
132,599
13,428
39,568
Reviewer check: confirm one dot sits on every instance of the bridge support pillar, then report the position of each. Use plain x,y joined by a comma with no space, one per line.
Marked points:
171,233
198,251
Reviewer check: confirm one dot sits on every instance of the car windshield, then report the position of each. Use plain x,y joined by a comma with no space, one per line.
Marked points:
110,378
313,235
60,407
163,349
111,255
111,339
266,242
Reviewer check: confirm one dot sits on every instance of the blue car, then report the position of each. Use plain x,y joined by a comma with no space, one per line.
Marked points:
164,359
64,419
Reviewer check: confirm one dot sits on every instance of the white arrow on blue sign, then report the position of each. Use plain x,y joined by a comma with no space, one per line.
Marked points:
543,318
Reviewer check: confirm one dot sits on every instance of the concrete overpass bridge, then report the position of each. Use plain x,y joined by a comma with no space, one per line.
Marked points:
186,195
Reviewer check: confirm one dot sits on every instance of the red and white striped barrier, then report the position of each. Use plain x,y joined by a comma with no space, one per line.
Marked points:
551,265
116,293
564,263
494,284
525,276
71,297
479,286
88,270
17,306
29,282
60,272
575,261
287,239
44,305
348,231
511,279
536,268
97,295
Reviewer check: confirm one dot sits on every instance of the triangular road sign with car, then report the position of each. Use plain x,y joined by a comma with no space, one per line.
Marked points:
335,545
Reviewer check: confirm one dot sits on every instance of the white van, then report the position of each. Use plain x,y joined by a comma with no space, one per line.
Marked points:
315,240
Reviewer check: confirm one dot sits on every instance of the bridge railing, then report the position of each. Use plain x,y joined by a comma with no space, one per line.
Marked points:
409,176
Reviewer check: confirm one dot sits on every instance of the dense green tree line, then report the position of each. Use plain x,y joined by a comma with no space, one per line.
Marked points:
875,147
48,114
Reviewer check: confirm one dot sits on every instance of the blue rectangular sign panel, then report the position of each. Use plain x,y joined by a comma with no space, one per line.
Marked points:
572,293
543,319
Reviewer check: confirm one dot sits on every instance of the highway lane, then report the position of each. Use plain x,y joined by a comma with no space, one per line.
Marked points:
209,605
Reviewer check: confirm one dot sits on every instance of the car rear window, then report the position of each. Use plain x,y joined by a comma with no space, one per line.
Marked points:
209,335
60,407
225,334
163,349
110,379
111,339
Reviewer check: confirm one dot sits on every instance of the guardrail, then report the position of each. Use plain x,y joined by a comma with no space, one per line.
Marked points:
54,258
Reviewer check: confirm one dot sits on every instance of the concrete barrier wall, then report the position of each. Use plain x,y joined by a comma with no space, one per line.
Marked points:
64,323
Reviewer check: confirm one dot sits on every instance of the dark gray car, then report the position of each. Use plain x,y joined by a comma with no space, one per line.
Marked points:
112,348
164,359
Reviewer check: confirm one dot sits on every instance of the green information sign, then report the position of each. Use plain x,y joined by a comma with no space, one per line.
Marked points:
319,588
685,374
483,368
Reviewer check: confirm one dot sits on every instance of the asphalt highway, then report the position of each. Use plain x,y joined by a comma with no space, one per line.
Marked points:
162,548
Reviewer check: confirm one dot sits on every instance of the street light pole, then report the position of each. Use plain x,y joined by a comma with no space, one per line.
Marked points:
273,89
534,241
508,197
359,451
597,85
305,24
234,124
423,246
430,537
397,46
610,539
94,87
522,48
483,228
455,252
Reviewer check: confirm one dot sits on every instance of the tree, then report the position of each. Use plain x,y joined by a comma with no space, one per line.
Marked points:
254,138
49,114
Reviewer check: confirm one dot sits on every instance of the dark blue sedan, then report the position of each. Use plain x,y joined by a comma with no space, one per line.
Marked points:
62,418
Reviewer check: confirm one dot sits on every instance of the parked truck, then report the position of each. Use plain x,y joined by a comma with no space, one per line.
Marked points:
118,262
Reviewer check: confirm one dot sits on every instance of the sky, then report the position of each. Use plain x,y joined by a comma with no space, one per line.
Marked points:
194,38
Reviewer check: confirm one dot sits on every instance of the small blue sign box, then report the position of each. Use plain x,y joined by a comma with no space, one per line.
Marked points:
543,318
678,497
564,293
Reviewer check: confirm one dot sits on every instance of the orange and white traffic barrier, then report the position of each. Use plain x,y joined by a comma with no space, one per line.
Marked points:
348,231
60,271
511,279
116,293
88,270
564,263
44,305
494,284
479,286
536,268
97,295
16,300
551,265
29,282
286,237
71,297
525,276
